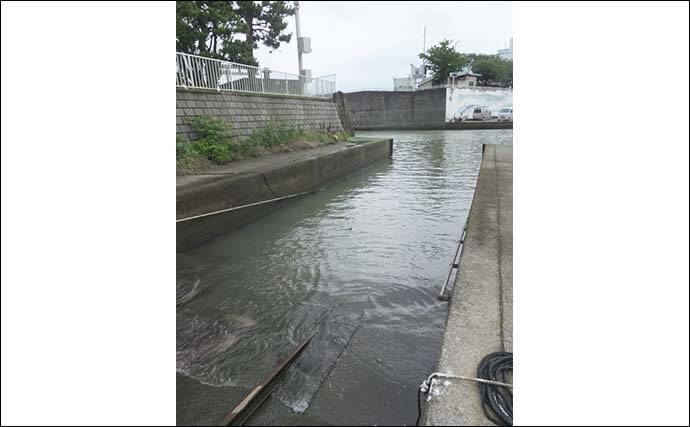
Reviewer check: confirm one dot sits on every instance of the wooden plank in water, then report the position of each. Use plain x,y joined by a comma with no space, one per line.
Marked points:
258,395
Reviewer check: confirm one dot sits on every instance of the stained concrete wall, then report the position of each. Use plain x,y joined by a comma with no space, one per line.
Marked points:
344,111
460,102
265,179
422,109
249,111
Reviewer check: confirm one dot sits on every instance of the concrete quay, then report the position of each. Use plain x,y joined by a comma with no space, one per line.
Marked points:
464,125
259,180
480,315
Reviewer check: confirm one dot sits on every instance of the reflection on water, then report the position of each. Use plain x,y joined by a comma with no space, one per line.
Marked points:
359,264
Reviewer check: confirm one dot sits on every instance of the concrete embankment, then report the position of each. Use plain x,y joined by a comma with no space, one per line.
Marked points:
465,125
259,180
247,111
480,316
430,109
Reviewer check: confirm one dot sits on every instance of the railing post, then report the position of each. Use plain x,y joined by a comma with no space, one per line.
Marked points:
287,91
218,64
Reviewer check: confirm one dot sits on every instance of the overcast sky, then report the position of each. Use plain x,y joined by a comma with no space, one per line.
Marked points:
367,43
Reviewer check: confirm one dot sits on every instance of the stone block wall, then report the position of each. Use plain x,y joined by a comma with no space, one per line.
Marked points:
249,111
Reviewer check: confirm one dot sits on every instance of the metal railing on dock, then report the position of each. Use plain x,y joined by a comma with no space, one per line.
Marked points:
443,295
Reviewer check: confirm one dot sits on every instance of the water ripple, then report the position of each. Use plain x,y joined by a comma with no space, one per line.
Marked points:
367,253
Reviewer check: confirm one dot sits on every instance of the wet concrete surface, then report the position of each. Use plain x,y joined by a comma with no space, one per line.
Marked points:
480,318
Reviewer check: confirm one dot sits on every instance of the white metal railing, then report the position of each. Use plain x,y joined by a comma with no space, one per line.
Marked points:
199,72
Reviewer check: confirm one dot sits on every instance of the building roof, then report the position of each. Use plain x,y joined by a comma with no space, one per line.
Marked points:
426,80
464,72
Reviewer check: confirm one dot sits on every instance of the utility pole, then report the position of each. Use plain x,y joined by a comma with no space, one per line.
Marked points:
299,35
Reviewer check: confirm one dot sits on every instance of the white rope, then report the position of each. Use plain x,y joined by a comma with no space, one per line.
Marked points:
241,207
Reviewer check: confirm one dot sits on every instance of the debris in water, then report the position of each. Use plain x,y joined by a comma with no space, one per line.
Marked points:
304,379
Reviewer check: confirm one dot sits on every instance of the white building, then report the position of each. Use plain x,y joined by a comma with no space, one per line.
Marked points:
407,84
403,84
462,78
426,83
506,53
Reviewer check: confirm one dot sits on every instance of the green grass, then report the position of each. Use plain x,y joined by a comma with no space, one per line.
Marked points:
187,160
272,135
215,144
344,136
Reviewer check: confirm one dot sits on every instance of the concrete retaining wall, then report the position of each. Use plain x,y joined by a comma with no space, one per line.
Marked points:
467,125
264,183
248,111
431,109
423,109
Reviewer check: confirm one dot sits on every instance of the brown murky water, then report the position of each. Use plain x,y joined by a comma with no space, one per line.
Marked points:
360,263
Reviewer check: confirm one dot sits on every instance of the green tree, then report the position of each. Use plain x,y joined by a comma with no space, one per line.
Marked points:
231,30
444,59
264,21
208,28
494,70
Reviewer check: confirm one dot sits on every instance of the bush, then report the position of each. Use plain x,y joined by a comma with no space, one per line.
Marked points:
215,142
271,135
188,160
184,148
343,136
216,145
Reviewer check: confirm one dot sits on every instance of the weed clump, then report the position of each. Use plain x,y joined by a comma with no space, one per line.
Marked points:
216,145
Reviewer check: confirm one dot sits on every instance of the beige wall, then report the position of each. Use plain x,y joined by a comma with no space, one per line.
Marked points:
464,82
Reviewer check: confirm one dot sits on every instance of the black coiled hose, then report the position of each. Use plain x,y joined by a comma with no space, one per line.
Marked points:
497,401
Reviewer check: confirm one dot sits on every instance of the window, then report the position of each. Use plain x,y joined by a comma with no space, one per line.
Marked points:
471,83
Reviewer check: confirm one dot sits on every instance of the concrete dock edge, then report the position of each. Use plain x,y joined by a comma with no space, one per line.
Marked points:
480,315
264,179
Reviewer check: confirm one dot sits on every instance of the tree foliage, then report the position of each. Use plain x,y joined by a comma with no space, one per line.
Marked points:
208,28
494,70
231,30
443,60
264,22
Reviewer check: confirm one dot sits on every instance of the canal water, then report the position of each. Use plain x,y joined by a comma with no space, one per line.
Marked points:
358,264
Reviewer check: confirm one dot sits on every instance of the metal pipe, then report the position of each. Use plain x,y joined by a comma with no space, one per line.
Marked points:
460,377
442,296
